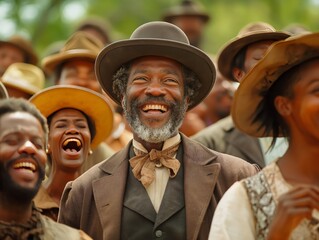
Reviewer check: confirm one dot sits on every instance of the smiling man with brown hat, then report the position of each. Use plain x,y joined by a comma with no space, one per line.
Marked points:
16,49
236,58
162,184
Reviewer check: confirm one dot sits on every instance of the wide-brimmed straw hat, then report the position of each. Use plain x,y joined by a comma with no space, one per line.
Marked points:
186,8
251,33
93,104
281,57
26,77
24,45
155,39
80,45
3,91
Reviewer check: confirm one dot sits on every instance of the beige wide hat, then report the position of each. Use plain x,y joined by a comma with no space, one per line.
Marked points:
26,77
282,56
186,8
155,39
3,91
24,45
251,33
80,45
93,104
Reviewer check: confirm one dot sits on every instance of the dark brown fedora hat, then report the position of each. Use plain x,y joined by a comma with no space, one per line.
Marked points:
249,34
25,46
155,39
186,8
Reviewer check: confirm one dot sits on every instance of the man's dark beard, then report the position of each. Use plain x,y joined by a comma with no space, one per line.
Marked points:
11,190
155,135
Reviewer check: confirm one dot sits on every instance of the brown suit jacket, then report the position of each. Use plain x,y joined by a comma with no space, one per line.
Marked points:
94,201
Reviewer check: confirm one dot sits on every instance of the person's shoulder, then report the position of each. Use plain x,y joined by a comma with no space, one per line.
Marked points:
55,230
213,134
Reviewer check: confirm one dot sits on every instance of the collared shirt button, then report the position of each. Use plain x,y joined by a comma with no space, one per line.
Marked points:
158,233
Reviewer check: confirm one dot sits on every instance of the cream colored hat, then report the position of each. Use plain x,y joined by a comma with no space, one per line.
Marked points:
26,77
80,45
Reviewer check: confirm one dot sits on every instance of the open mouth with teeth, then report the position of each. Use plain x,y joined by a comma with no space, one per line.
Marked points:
72,145
26,166
154,107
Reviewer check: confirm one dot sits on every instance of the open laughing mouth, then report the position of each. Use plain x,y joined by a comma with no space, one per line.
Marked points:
72,145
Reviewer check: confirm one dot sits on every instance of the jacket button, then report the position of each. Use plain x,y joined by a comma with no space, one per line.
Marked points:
158,233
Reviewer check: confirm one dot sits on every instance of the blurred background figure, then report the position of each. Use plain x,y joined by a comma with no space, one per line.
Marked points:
97,27
236,58
22,80
296,28
191,17
79,119
219,100
16,49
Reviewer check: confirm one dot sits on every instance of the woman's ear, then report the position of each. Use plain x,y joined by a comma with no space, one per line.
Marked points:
283,105
238,74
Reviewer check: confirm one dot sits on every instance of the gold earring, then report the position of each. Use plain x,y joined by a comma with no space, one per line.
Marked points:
90,152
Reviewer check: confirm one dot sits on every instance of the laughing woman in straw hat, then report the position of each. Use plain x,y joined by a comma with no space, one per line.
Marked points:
279,97
79,119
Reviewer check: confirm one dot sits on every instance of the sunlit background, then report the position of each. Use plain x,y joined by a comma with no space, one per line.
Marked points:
48,21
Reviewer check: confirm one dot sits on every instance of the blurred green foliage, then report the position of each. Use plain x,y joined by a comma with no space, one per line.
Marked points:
48,21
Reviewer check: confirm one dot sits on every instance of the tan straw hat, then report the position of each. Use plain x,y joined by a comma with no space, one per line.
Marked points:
80,45
26,77
3,91
24,45
251,33
281,57
93,104
186,8
155,39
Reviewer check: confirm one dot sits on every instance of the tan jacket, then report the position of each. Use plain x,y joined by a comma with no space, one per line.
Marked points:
94,201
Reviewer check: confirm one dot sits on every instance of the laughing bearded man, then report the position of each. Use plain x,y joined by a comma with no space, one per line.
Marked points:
23,134
162,184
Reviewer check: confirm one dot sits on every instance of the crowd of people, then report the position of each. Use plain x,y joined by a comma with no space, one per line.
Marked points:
151,137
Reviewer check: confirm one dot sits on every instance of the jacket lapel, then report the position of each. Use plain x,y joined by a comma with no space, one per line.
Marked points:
109,191
200,177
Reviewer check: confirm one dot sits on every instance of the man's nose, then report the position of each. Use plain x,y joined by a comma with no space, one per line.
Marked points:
28,147
155,89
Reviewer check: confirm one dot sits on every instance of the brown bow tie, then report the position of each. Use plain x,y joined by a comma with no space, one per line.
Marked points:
143,164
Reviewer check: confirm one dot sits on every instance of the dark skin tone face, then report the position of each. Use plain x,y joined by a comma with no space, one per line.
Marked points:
22,154
299,164
154,77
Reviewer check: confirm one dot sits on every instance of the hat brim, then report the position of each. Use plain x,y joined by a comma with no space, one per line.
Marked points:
50,63
3,91
91,103
233,47
113,56
280,57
